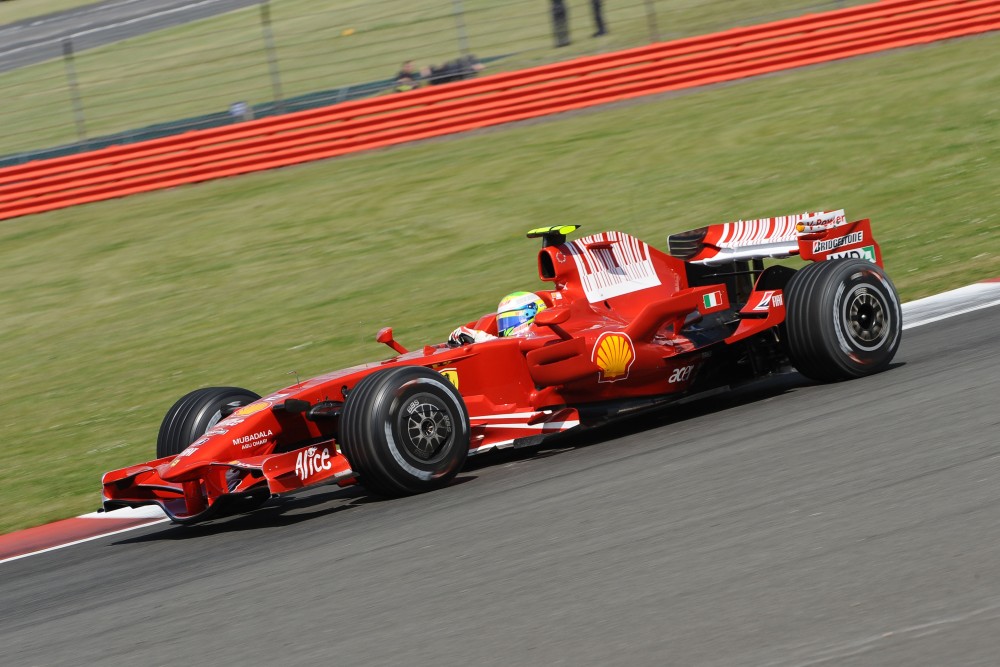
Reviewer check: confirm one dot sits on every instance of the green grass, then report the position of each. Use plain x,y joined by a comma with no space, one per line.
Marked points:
111,311
205,66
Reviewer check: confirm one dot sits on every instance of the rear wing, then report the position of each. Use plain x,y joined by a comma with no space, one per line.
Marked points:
812,236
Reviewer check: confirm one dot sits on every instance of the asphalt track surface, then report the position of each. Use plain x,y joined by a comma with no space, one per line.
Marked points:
39,39
791,524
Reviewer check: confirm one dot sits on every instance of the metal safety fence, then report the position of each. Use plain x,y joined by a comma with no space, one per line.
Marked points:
286,55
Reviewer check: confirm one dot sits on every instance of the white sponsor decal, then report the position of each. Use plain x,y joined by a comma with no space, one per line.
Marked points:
253,438
765,301
681,374
833,244
613,265
763,231
311,462
868,252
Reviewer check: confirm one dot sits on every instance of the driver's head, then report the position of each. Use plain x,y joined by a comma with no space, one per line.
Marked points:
516,312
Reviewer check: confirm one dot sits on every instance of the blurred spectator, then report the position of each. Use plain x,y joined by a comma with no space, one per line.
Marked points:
597,10
560,23
465,67
241,111
407,78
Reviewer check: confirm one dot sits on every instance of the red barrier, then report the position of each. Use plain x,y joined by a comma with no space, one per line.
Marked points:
351,109
543,74
502,98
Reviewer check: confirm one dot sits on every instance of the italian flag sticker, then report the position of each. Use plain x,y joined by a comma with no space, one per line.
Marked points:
712,300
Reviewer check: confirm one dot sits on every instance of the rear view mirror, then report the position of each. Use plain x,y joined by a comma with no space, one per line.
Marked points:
551,316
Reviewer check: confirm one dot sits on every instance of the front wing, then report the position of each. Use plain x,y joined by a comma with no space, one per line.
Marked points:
216,483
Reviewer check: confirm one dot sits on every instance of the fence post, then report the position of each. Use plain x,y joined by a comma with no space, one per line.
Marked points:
74,89
272,55
459,13
654,30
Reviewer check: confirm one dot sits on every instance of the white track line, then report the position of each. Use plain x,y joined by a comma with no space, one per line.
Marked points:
111,26
942,306
938,318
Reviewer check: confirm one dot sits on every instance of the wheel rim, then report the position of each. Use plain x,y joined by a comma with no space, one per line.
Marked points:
216,418
866,317
428,430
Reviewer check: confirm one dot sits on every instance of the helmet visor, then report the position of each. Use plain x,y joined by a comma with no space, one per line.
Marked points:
508,320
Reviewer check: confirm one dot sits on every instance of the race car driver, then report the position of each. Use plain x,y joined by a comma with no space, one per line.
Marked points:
515,313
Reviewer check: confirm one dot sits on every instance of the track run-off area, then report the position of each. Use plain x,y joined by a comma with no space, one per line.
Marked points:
790,523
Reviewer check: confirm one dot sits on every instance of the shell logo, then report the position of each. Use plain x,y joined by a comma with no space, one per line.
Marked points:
252,408
613,354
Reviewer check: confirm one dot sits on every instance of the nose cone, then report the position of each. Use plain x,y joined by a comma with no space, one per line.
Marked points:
200,453
236,437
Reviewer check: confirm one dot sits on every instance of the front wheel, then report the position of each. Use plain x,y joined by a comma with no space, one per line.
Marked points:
843,319
404,430
194,414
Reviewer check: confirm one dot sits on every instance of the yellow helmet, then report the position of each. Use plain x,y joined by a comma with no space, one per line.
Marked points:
516,312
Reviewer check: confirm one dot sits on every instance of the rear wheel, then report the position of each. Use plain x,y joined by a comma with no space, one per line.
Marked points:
404,430
194,414
843,319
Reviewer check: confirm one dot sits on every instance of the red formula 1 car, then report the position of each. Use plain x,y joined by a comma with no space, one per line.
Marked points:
627,327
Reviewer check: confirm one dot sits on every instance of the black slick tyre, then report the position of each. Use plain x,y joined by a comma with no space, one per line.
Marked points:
194,414
842,320
404,430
